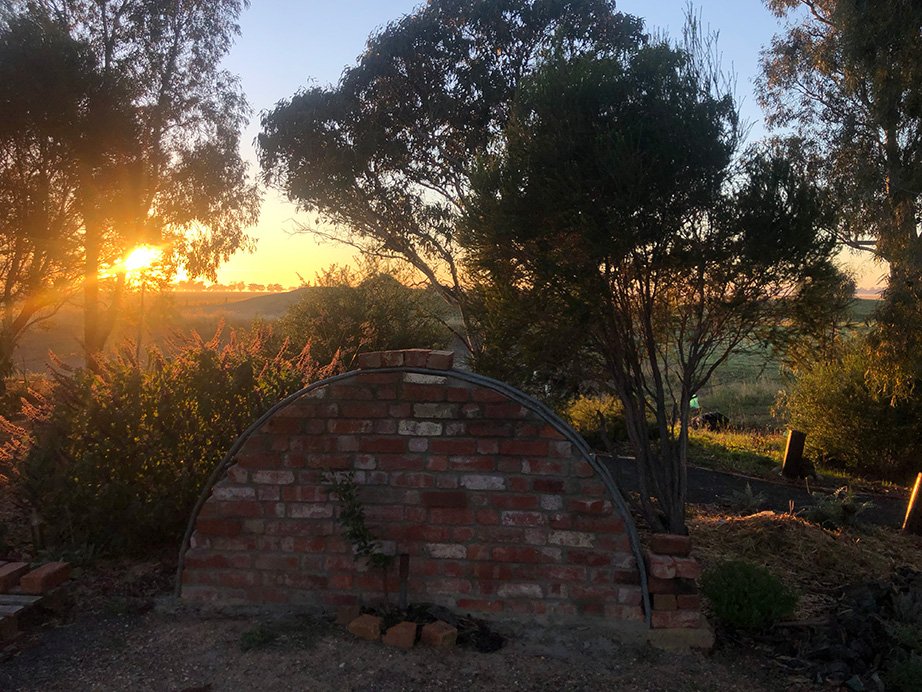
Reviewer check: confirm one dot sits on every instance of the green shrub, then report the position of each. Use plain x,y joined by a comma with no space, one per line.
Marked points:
747,596
583,414
838,510
850,425
115,459
349,312
904,672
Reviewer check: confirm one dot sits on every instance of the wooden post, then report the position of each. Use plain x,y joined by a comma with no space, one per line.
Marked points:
913,521
793,464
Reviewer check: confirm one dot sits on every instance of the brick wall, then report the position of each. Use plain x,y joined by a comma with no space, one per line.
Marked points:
498,510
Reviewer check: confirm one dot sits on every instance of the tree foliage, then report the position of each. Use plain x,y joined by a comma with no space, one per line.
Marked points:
618,201
349,311
386,155
177,179
847,74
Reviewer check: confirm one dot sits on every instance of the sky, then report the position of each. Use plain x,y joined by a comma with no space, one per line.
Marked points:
286,45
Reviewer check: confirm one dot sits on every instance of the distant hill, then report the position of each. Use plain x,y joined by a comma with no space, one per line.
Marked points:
239,306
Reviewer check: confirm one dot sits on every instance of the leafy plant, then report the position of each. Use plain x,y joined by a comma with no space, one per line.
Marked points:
747,596
746,501
837,510
586,413
257,637
116,458
352,520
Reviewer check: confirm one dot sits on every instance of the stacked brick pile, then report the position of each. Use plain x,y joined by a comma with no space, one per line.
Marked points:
672,572
22,588
497,510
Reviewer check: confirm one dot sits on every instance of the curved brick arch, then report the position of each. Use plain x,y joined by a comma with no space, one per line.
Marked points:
500,504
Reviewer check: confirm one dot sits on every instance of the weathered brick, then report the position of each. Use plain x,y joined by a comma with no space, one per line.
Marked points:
363,409
664,601
439,634
440,360
10,573
419,428
274,477
416,357
661,566
481,605
44,578
451,446
687,567
512,590
451,551
383,445
483,482
369,360
688,601
366,627
523,518
573,539
676,619
670,544
535,448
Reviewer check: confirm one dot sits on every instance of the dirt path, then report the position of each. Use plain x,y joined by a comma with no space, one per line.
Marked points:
709,487
191,651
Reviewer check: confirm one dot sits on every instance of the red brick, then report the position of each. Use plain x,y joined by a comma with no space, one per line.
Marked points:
543,467
687,568
531,448
664,601
439,634
511,501
670,544
416,357
365,361
45,578
523,519
688,601
384,445
676,619
440,360
363,409
392,359
10,574
489,429
589,558
444,498
451,516
481,605
424,392
457,394
453,446
412,480
548,485
218,527
626,576
661,566
366,627
664,586
402,636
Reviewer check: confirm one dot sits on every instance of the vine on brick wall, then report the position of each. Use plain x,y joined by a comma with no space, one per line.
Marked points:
352,520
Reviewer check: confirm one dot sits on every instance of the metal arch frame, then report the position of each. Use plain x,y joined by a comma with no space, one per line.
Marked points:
510,392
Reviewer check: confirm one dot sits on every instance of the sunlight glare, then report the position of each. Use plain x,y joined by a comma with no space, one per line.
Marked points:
141,257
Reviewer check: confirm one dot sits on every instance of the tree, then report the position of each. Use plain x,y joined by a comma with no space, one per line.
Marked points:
49,83
179,181
619,201
347,312
847,74
386,155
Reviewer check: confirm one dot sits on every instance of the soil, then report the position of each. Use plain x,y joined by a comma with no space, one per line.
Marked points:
167,649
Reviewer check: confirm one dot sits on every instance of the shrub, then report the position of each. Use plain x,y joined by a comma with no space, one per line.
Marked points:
115,459
583,414
371,310
747,596
850,425
838,510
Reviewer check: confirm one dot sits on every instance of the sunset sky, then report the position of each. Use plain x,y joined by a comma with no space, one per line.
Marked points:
288,44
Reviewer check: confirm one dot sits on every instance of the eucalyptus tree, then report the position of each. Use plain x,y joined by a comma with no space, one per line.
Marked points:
847,76
178,181
385,155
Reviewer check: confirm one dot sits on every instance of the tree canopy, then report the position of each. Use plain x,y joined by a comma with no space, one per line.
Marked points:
618,201
847,74
386,155
178,180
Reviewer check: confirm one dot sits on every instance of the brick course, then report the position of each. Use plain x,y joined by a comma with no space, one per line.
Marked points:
496,508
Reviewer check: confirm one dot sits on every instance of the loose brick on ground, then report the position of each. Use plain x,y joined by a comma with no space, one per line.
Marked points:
439,634
366,627
45,578
402,636
10,573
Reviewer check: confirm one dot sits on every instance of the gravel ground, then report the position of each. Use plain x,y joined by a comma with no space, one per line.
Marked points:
187,650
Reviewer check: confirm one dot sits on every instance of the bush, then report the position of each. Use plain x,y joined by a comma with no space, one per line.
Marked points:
115,459
747,596
836,511
371,310
850,425
583,414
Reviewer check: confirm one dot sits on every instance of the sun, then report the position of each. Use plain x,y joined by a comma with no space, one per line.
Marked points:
140,258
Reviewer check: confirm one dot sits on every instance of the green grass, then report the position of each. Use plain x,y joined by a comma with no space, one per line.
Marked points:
749,452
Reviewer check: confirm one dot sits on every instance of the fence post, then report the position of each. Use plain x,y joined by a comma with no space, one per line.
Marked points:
913,521
793,464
